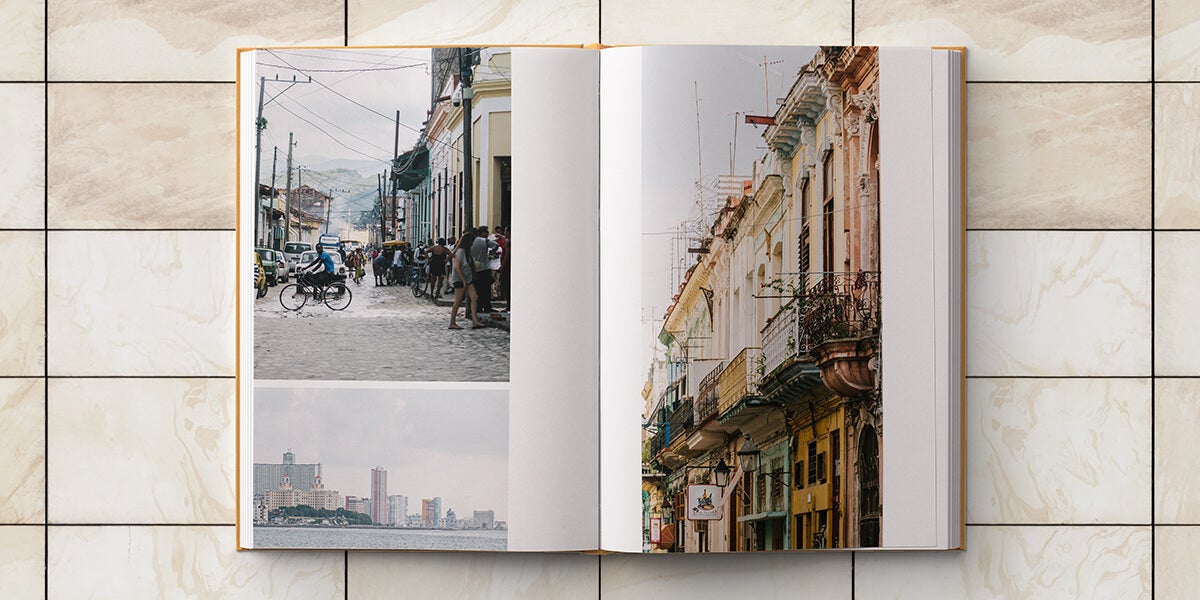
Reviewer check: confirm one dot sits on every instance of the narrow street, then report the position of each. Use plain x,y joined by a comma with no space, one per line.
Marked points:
385,334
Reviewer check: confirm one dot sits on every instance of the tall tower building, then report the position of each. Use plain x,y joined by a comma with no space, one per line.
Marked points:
437,511
397,510
379,505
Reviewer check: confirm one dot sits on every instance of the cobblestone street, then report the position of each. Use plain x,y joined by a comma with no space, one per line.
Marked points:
385,334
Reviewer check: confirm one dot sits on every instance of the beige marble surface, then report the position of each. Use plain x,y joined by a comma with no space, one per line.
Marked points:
1176,287
1061,453
1047,156
180,40
141,303
1176,40
471,575
779,22
1051,563
1051,303
22,561
182,562
23,25
142,156
1049,451
790,575
1177,155
23,312
23,446
23,129
490,22
1176,479
141,451
1007,40
1176,562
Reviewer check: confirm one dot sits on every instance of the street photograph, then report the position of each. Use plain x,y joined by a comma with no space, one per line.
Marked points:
380,466
762,409
382,223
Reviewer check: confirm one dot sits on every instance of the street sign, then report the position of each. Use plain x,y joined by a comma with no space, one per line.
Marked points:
702,502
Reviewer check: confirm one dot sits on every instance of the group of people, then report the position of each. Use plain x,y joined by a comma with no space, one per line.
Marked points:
474,267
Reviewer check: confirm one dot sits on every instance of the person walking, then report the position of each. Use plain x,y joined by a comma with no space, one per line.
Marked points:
480,247
438,256
461,279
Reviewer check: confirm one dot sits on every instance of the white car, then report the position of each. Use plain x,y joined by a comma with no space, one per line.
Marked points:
293,250
308,257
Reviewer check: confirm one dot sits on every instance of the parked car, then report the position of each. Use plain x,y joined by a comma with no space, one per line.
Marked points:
293,250
281,266
308,257
270,265
260,279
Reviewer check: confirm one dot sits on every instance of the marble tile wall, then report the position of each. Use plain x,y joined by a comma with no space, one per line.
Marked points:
116,345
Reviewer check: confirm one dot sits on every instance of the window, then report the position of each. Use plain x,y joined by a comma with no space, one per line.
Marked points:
821,475
805,260
827,214
797,470
812,462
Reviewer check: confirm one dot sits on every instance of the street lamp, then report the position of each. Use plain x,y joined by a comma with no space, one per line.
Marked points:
721,473
748,455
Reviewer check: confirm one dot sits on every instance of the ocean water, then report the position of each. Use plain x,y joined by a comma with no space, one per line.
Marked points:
378,539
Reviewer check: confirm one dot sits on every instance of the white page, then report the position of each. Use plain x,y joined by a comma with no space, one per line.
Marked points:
554,402
620,283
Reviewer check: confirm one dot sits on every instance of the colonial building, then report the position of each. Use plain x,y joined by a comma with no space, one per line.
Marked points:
433,172
775,334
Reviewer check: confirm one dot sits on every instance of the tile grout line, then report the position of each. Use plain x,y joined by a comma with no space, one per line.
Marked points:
46,300
1153,245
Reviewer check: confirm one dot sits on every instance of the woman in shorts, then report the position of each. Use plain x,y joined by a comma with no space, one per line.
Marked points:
461,276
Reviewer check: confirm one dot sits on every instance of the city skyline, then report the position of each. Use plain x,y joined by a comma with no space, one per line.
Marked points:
443,443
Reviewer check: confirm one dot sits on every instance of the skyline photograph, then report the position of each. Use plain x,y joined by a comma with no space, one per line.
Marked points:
447,443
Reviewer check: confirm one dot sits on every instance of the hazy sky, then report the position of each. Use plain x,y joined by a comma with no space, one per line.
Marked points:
729,80
339,132
448,443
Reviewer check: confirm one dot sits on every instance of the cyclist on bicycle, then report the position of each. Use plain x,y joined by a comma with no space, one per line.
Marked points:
324,262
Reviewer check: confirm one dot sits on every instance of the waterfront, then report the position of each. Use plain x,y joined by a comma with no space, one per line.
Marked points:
379,538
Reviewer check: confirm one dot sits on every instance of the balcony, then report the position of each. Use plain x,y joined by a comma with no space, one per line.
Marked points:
739,380
706,404
831,319
681,419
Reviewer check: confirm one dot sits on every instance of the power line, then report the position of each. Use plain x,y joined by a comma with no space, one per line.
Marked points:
329,56
340,128
363,70
332,137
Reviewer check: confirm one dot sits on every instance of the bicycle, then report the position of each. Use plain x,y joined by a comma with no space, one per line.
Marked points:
417,281
334,294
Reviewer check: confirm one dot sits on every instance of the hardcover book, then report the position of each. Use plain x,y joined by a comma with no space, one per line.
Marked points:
733,321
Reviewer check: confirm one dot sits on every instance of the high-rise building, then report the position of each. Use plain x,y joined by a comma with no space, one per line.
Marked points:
269,476
485,519
451,521
428,513
379,506
356,504
437,511
397,510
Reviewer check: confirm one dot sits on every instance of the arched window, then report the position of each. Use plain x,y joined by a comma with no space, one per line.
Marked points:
827,213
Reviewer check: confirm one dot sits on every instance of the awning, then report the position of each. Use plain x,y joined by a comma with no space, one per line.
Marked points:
763,516
411,168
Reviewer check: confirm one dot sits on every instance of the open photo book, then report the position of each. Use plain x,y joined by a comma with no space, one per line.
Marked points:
733,320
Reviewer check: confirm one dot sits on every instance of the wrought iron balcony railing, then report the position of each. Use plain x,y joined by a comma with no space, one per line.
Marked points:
709,399
681,419
739,379
820,307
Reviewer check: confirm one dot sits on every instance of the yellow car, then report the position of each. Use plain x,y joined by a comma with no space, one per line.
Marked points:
260,277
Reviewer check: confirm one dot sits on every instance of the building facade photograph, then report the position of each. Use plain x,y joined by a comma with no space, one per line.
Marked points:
767,388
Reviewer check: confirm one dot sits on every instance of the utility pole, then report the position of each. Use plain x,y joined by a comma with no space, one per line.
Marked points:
300,203
274,160
382,213
258,127
468,95
287,210
395,175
